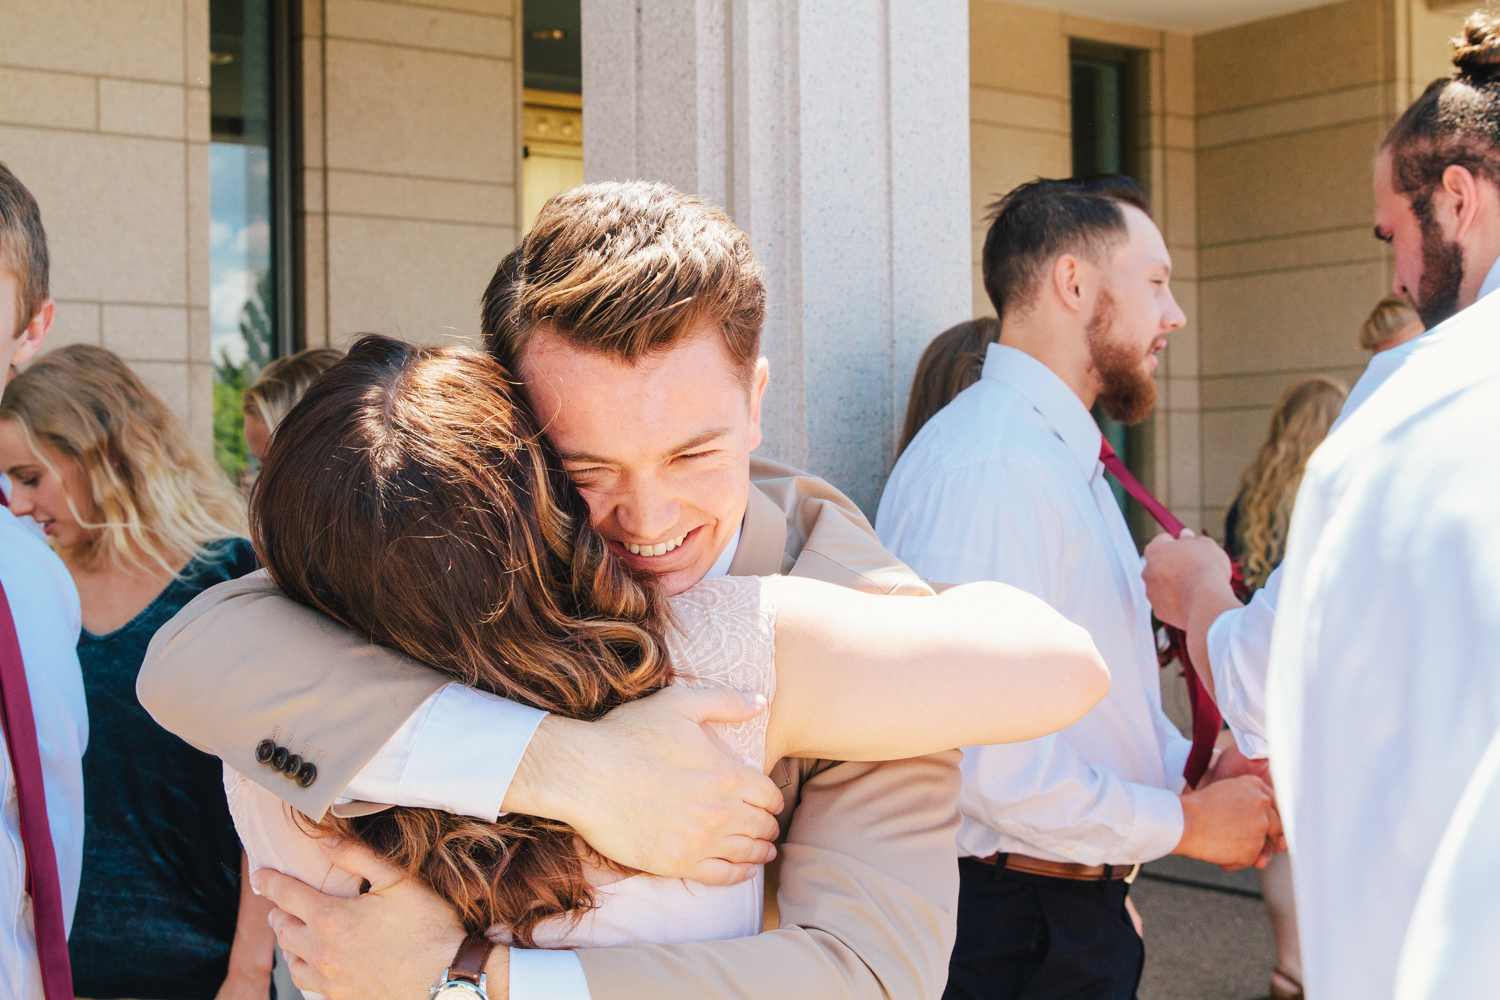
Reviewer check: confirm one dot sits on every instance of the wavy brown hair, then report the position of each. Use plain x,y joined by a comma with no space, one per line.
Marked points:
411,496
1269,487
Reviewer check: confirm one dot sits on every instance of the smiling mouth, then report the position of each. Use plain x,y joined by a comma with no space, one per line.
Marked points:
659,549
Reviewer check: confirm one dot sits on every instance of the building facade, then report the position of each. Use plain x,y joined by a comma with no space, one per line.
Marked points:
378,157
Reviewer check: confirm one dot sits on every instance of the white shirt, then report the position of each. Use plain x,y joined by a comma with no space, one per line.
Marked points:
1384,684
44,604
459,752
1005,484
1239,641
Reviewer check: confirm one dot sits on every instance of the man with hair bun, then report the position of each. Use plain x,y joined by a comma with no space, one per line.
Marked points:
1378,701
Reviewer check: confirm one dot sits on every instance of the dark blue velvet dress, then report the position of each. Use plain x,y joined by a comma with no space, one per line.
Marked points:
161,861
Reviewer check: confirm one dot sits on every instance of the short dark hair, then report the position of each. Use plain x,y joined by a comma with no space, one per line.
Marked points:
23,247
626,269
1042,219
1456,121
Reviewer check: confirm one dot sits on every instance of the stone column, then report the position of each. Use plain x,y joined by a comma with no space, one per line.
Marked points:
836,133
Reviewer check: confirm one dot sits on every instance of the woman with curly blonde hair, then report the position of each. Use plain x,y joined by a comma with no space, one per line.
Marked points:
1255,527
144,522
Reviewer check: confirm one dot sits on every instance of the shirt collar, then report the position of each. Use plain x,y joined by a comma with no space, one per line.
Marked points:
721,565
1491,280
1058,405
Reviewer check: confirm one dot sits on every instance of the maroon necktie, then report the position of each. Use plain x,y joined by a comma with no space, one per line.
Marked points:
31,795
1206,718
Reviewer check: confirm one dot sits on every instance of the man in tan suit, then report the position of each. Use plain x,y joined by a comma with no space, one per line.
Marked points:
632,315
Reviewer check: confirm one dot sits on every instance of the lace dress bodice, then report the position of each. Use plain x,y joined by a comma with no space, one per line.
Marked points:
723,635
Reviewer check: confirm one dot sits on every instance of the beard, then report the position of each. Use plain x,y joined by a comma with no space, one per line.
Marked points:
1442,274
1129,394
1442,267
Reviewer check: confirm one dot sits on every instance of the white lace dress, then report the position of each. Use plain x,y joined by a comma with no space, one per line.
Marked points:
725,637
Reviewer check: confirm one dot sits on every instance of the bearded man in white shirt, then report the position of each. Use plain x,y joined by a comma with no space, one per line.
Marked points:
1006,484
44,607
1376,696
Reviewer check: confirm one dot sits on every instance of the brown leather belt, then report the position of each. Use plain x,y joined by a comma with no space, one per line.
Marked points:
1056,869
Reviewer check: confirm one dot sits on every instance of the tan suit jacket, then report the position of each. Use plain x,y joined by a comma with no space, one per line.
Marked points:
868,889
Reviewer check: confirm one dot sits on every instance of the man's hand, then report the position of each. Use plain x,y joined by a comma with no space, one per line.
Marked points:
647,789
392,943
1182,571
1231,823
1231,763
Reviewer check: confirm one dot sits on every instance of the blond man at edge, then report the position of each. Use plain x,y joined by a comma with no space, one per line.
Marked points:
1005,484
659,441
1372,684
44,604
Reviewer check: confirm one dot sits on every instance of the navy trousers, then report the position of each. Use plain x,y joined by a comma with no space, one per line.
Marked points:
1032,937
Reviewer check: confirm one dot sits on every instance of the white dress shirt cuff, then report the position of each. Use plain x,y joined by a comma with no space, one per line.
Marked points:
457,752
1225,650
1157,827
546,975
1175,758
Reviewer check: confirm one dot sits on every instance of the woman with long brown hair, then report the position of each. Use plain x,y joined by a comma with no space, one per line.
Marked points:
411,497
144,522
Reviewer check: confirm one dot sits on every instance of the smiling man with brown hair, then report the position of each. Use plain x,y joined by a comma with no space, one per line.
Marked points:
631,314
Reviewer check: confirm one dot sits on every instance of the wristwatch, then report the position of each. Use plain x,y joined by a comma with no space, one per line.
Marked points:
464,979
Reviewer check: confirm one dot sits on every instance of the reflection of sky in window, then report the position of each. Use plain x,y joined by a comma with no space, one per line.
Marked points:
239,238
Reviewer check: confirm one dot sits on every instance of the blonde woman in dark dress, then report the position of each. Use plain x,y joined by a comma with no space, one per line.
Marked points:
144,523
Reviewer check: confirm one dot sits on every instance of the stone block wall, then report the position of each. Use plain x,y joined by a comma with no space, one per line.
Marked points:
1290,111
411,154
104,116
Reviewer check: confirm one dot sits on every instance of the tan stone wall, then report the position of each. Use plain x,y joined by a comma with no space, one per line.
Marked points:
1020,129
411,148
1289,113
104,116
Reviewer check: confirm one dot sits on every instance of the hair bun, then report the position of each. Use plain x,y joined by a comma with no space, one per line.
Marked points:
1476,52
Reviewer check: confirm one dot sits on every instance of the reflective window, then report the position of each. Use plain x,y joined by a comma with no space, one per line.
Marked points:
553,116
243,293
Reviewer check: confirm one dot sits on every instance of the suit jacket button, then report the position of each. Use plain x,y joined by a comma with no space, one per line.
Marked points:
264,750
292,766
307,774
278,759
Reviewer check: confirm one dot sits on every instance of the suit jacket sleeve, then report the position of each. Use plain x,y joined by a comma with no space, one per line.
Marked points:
242,663
868,901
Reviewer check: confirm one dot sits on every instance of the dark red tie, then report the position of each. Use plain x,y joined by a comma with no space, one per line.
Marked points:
1206,718
31,795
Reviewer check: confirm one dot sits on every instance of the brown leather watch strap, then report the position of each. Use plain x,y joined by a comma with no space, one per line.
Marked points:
468,965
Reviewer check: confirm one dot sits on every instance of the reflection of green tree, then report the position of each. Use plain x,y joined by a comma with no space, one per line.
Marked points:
230,381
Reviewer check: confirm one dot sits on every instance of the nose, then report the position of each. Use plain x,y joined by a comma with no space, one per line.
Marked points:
646,508
20,500
1174,318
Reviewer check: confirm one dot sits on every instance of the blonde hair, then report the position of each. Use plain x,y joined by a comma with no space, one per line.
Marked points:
277,388
1269,487
158,499
1390,316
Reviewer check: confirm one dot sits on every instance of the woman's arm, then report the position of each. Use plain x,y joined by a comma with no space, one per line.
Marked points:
250,955
861,677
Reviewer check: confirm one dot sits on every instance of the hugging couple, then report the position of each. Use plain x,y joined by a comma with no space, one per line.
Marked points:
543,661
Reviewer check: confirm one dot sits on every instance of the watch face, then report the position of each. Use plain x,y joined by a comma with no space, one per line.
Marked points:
458,991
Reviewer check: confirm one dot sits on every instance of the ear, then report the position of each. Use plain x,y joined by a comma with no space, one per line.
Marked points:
758,383
31,339
1462,188
1067,282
